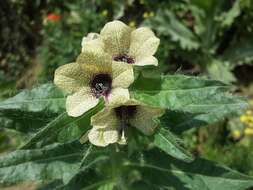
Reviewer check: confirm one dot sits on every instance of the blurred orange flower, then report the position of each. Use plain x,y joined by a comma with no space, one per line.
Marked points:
53,17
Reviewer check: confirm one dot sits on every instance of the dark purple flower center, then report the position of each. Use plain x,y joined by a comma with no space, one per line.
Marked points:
124,58
101,85
124,113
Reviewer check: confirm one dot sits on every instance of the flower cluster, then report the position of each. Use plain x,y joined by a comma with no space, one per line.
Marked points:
247,120
105,69
245,126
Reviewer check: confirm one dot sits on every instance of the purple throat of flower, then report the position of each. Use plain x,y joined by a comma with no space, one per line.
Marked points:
124,58
101,85
124,114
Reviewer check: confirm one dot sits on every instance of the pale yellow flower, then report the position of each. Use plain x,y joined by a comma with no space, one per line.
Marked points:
236,134
127,45
132,24
110,124
94,75
104,13
90,39
145,15
248,131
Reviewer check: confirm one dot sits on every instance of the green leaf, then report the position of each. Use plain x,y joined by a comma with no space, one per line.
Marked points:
45,98
207,25
220,70
228,17
170,144
87,177
56,161
186,94
56,127
178,122
166,23
31,109
239,52
168,173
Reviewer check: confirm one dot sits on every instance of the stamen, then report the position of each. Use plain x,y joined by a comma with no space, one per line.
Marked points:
124,113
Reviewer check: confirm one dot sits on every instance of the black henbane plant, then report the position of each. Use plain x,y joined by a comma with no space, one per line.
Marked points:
118,128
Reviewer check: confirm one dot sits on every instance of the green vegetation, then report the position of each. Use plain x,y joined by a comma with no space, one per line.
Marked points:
205,69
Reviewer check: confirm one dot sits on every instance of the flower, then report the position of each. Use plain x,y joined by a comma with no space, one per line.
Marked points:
53,17
94,75
127,45
110,124
236,134
104,13
89,39
132,24
248,131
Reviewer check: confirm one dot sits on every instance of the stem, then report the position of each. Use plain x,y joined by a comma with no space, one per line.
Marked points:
117,167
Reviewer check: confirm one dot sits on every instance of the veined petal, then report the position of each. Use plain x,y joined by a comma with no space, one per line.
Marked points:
117,97
105,119
70,77
94,61
123,74
143,119
151,60
111,135
103,137
116,37
96,137
91,41
143,44
80,102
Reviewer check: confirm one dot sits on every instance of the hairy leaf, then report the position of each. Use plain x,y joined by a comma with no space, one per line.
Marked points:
240,52
56,127
169,143
31,109
168,173
220,70
56,161
166,23
186,94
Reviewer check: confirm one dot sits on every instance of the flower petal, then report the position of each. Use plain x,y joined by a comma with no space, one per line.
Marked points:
117,97
123,75
111,135
80,102
143,119
151,60
91,40
94,61
116,37
104,119
103,137
143,44
96,137
70,77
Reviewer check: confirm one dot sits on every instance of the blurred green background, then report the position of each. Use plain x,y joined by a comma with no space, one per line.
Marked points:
212,38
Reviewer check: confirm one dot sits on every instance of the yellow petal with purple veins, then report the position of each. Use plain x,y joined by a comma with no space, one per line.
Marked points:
80,102
95,61
151,60
144,43
143,119
104,119
96,137
116,37
118,96
89,38
70,77
111,134
123,75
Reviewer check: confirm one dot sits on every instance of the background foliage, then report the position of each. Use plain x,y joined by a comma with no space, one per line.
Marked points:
206,38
